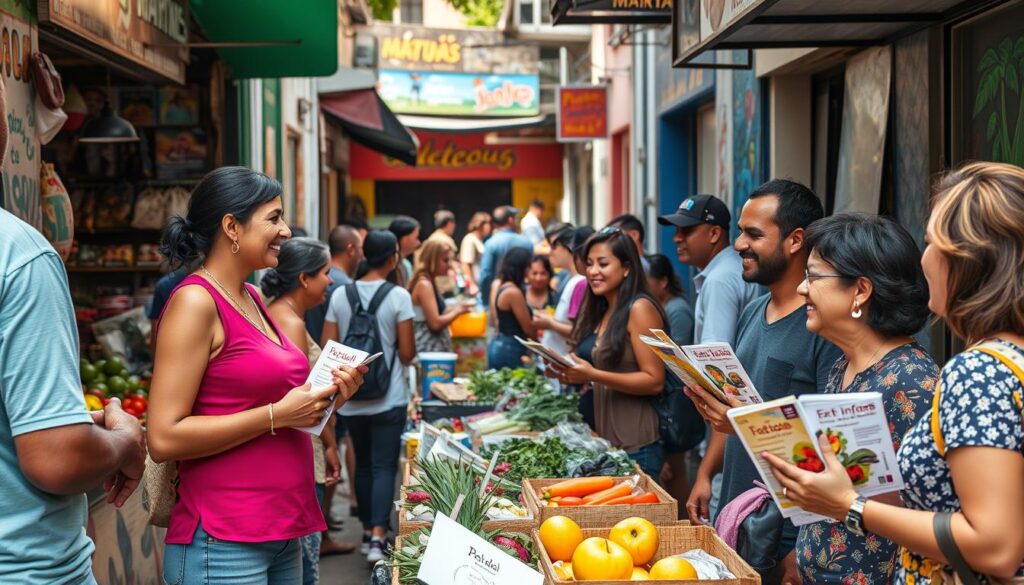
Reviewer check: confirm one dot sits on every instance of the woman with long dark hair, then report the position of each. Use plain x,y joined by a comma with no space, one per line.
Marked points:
510,311
432,317
228,395
625,374
407,230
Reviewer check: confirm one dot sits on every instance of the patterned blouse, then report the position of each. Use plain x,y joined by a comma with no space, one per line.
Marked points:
979,406
826,552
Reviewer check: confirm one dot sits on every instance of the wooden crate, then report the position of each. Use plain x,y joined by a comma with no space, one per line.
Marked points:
409,469
664,512
521,525
674,539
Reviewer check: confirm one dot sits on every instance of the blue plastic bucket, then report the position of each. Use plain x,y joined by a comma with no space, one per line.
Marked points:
436,367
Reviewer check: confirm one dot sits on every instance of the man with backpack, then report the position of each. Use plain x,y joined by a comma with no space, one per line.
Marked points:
374,315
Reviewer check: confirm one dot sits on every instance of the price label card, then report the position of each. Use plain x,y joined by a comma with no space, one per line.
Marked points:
333,355
456,556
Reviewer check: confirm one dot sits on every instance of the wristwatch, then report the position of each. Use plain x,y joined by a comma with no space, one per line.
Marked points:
855,516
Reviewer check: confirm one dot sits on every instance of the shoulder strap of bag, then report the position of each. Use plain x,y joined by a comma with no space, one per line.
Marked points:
947,544
378,297
1010,358
353,297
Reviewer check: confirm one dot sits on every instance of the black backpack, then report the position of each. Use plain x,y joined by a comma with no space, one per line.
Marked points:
364,334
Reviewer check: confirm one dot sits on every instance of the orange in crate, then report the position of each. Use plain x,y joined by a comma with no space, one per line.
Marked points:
472,324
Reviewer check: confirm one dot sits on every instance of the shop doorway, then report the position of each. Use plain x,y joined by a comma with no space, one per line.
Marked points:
420,199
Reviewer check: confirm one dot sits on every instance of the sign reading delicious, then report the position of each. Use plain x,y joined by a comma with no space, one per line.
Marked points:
582,113
456,72
151,33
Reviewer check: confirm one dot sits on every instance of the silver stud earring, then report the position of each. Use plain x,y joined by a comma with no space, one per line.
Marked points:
856,314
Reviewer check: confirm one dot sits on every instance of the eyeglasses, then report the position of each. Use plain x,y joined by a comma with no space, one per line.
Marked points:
810,277
607,231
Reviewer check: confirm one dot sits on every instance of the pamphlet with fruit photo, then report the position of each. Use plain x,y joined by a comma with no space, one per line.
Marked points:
713,367
855,425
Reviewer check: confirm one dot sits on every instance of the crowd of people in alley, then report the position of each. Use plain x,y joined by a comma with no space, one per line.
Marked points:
810,303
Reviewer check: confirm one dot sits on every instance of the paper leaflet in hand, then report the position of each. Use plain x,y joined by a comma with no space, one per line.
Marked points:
712,367
855,425
332,356
546,352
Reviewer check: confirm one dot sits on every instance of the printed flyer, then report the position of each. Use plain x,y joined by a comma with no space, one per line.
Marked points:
713,367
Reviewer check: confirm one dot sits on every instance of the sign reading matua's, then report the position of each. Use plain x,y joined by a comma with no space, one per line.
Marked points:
456,556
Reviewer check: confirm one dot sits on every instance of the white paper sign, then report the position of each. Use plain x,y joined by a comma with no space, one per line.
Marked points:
333,355
456,556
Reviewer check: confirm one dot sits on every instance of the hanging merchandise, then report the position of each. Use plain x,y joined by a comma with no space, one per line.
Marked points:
48,121
47,81
58,219
177,202
75,108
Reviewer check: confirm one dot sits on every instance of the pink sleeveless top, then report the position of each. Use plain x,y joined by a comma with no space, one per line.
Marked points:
262,490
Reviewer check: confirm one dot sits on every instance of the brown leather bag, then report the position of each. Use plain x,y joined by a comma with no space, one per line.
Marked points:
47,81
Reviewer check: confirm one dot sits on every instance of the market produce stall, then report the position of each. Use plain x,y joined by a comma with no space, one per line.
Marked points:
525,476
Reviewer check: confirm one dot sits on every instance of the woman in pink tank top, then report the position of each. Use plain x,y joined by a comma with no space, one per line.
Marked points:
228,395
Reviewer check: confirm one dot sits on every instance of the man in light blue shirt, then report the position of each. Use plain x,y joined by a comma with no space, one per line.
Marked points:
504,239
702,241
51,449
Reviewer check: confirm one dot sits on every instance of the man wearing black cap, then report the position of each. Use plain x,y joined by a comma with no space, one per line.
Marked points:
504,239
702,241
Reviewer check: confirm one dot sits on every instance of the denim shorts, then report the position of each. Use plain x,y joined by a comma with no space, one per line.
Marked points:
208,560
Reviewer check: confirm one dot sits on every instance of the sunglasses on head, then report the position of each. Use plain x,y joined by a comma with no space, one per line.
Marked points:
610,230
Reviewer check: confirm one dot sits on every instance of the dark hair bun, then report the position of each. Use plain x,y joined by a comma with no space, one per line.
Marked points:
180,244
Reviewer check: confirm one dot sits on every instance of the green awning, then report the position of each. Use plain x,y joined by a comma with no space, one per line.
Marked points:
272,38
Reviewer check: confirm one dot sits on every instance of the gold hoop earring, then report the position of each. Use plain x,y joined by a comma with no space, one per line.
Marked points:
235,247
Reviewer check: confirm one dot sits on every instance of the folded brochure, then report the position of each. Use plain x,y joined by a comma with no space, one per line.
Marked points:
546,352
332,356
713,367
856,428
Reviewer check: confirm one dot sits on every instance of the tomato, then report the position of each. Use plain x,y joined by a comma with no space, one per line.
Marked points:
96,392
673,568
130,409
638,536
598,559
560,537
140,403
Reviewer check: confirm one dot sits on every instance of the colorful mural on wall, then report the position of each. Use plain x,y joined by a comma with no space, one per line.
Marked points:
1000,77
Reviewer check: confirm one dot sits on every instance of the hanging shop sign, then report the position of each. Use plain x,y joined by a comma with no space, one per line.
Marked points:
460,156
460,94
21,160
150,33
448,72
611,11
582,113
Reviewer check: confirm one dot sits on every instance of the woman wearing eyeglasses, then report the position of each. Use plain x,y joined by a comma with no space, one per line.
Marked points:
609,355
865,293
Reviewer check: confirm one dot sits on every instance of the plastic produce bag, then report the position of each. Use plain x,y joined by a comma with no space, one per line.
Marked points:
577,436
126,336
58,217
707,566
380,574
582,464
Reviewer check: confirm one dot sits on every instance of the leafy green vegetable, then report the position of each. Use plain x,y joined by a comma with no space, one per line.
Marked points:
491,385
544,409
529,458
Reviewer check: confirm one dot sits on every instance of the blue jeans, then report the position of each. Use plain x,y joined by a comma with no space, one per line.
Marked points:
377,439
209,560
650,459
505,352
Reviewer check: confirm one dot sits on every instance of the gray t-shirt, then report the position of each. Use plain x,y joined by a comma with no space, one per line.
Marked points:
680,320
395,308
781,358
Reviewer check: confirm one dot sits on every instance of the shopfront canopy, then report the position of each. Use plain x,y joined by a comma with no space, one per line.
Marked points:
272,38
368,121
702,27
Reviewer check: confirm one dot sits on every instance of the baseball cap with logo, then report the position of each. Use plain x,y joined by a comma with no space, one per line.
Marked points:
698,209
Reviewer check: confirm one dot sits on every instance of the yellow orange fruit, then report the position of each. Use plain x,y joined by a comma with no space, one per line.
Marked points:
599,559
563,571
560,537
639,574
673,568
638,536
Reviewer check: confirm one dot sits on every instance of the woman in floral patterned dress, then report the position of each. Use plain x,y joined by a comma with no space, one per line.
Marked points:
963,461
865,293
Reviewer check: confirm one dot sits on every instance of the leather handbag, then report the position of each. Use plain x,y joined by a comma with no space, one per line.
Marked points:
159,490
47,81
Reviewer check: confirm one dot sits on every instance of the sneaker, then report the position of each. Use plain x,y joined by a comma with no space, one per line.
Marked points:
376,551
364,548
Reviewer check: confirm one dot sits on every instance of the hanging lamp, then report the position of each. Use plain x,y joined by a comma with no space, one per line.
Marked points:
108,127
